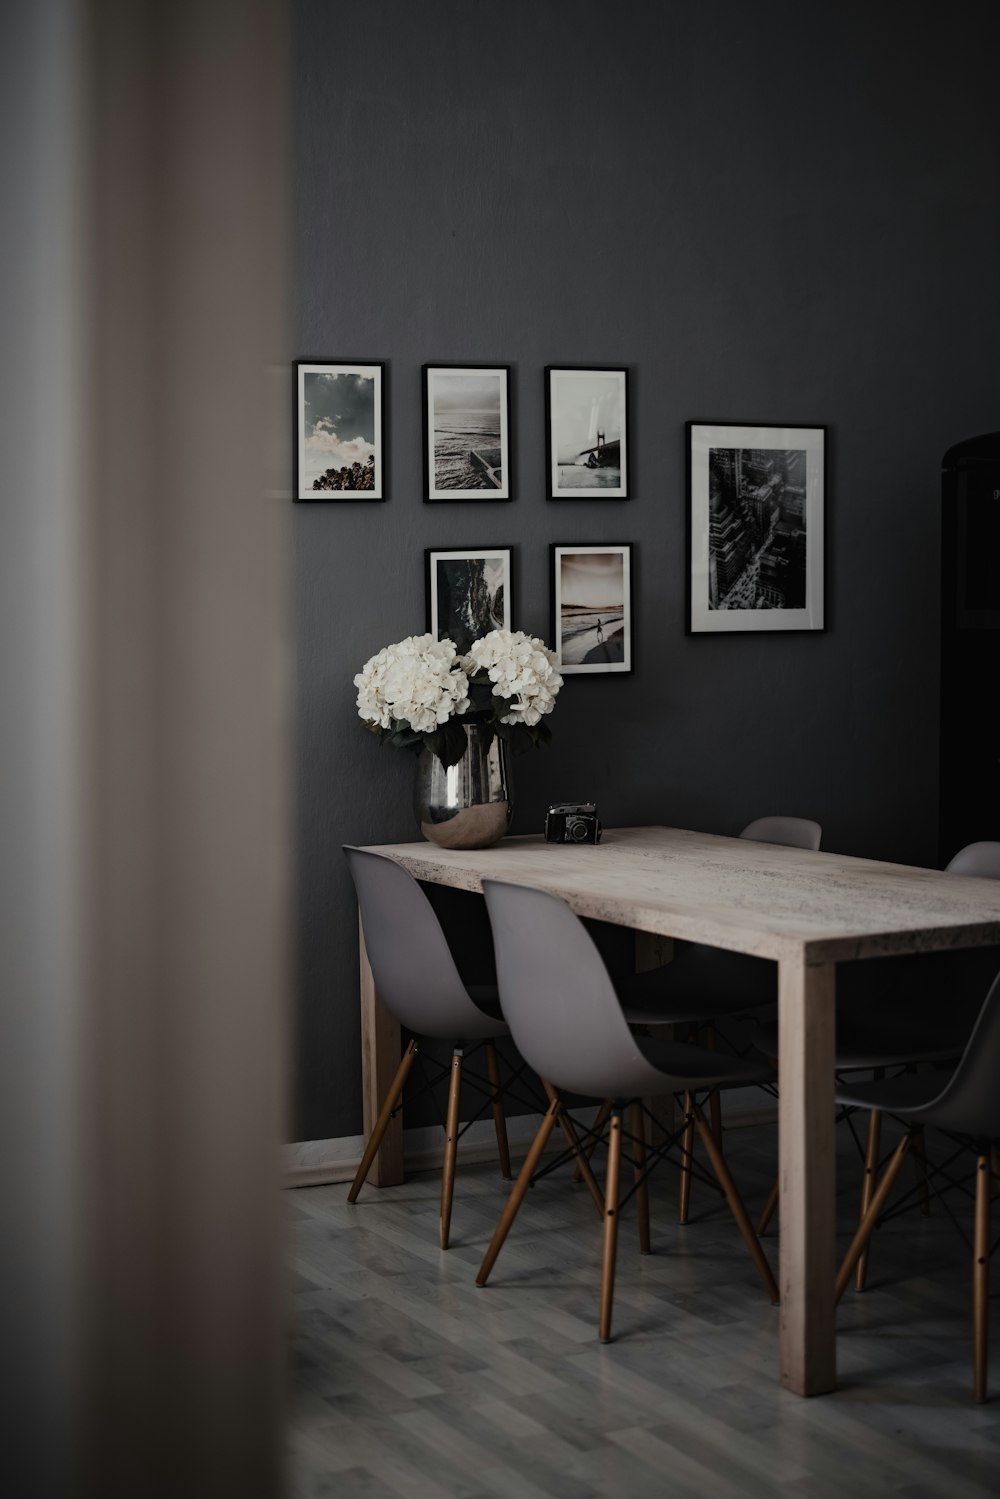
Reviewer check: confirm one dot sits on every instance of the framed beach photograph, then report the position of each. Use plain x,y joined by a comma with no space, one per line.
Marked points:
592,607
339,431
755,527
586,419
468,593
467,432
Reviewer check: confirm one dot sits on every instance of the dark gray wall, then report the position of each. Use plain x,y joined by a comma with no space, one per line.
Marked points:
772,212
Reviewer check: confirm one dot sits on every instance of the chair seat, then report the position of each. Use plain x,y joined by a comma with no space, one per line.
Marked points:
698,1068
655,998
905,1095
877,1042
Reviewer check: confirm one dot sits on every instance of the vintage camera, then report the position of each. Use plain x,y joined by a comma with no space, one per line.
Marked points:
572,822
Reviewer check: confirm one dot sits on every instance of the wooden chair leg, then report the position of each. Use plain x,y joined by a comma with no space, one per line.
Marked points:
875,1207
573,1141
981,1277
499,1117
382,1122
639,1173
610,1225
450,1145
521,1186
736,1207
600,1121
715,1097
868,1184
920,1166
687,1145
769,1208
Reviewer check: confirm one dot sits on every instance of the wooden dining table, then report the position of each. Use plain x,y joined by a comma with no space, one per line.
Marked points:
806,912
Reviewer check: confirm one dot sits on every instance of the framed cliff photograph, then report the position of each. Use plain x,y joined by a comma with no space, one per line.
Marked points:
468,593
592,608
586,419
339,431
755,527
466,432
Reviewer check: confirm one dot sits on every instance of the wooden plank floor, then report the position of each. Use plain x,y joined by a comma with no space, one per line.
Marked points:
407,1380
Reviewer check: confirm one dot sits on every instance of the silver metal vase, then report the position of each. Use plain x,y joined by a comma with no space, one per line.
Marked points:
467,805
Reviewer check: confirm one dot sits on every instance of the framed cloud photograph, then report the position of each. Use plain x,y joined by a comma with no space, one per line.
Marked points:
586,419
468,593
339,431
592,607
466,432
755,527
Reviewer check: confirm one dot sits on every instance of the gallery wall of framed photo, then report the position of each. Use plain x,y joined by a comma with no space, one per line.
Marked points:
755,502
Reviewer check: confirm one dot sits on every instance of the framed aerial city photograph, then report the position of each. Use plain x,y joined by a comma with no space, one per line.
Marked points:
586,420
592,608
339,431
468,593
755,527
466,433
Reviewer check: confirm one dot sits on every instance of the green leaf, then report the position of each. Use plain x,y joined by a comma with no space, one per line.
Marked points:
452,742
481,697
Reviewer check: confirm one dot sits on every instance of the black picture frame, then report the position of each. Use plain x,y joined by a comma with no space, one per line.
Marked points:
436,608
568,390
453,449
306,462
772,486
591,602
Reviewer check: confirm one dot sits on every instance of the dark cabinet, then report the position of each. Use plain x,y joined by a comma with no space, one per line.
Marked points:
970,643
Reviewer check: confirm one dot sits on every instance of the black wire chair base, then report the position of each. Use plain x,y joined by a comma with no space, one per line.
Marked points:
654,1153
531,1098
904,1204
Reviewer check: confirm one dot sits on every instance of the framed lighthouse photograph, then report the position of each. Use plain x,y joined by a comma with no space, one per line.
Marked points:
586,418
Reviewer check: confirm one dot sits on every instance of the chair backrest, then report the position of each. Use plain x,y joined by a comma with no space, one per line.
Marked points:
414,971
977,858
555,991
970,1100
793,832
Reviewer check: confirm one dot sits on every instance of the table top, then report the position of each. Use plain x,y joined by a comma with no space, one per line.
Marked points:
759,898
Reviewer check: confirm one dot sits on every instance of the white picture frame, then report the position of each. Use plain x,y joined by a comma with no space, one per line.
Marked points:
462,606
340,431
466,433
756,524
587,430
592,608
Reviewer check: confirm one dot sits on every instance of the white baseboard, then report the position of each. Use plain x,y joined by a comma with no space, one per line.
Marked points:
317,1163
314,1163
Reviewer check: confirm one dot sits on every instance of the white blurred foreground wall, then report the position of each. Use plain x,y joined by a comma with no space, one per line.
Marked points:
144,817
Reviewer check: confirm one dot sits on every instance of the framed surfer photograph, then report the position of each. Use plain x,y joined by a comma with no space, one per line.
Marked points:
467,432
592,607
755,527
586,419
468,593
339,431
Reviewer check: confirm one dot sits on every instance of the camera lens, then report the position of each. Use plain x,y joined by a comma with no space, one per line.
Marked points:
576,830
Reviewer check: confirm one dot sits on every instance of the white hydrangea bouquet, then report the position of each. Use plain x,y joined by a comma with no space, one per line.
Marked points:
421,693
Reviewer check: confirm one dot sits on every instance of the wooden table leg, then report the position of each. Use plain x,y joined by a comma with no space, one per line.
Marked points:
807,1020
654,951
380,1053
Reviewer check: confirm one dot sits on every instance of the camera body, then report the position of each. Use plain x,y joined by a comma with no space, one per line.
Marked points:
572,822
